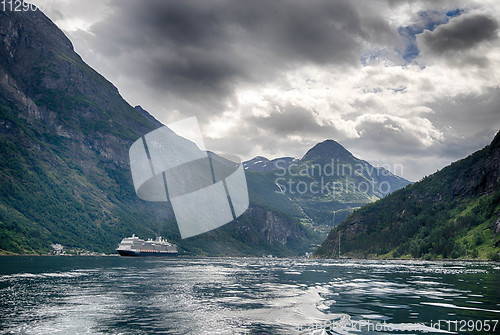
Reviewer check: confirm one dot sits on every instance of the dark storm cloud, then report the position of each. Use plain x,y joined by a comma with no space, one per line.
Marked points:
462,33
195,48
180,48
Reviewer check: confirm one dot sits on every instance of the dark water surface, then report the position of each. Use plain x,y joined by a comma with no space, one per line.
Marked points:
114,295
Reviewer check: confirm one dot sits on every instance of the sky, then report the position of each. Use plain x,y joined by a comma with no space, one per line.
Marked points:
411,86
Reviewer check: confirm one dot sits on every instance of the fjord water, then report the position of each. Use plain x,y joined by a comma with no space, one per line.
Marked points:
117,295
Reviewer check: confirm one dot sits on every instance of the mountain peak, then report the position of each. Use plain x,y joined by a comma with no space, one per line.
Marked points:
327,149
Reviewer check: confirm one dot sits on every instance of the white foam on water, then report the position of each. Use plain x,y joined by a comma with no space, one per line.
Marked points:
438,304
20,276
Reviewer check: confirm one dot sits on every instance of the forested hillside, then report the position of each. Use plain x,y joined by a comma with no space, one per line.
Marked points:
453,213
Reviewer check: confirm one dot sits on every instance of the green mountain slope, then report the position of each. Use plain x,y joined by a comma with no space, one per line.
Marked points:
454,213
65,132
63,169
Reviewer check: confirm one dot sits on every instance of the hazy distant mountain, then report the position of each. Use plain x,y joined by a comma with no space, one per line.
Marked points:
453,213
324,186
331,153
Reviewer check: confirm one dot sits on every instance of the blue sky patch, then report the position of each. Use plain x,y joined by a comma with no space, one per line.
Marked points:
407,50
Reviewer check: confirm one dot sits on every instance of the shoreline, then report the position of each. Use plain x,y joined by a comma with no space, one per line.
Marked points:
252,257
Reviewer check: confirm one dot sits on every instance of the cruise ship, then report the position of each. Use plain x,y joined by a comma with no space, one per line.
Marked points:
134,246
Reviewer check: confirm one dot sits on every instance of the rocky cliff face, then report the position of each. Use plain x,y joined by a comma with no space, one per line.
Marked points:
64,171
275,228
484,174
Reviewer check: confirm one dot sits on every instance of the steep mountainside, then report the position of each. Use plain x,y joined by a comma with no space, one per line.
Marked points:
324,186
454,213
65,132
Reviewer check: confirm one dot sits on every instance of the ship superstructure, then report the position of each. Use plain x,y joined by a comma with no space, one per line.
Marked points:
134,246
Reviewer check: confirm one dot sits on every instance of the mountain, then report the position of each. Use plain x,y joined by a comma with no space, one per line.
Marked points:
454,213
64,130
323,187
65,177
326,150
